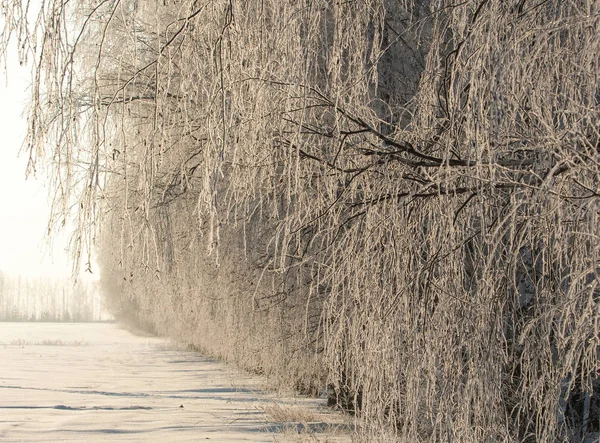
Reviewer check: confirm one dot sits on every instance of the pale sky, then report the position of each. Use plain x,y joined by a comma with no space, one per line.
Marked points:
23,203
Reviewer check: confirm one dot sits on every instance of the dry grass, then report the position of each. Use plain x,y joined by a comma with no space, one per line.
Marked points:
292,435
299,424
22,342
281,413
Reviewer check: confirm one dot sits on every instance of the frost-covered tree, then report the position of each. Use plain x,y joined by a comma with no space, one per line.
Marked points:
399,198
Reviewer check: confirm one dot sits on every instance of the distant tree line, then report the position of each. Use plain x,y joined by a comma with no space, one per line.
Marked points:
399,199
48,299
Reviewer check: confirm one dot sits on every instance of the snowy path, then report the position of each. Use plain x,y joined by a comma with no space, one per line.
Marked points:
96,382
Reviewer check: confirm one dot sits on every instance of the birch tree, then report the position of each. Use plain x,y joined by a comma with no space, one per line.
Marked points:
396,198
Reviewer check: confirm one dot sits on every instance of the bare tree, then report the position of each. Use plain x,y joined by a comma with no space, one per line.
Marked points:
397,198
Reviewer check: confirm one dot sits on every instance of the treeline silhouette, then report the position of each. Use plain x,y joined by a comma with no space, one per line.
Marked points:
48,299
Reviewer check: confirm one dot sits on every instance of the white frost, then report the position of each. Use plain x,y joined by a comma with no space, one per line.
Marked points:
96,382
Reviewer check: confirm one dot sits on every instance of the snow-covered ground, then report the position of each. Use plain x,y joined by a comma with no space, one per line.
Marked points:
92,382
